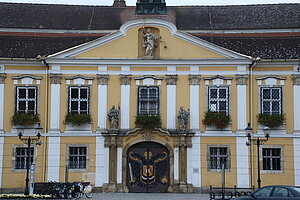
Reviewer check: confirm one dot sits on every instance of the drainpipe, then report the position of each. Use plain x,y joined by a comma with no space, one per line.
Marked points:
45,139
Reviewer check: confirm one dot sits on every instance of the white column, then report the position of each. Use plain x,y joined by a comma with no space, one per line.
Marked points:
125,101
194,163
242,163
194,101
55,102
296,108
53,158
119,165
1,158
297,161
171,101
102,155
176,163
241,101
102,100
2,78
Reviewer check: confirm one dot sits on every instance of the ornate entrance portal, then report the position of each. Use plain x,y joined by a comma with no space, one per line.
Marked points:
148,168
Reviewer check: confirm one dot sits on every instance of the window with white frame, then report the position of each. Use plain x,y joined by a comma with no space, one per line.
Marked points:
21,157
217,157
148,100
218,99
271,158
77,157
79,99
26,99
271,100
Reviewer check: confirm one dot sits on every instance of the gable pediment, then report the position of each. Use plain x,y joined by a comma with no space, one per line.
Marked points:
129,43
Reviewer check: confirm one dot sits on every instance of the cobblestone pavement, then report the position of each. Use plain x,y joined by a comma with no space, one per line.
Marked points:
147,196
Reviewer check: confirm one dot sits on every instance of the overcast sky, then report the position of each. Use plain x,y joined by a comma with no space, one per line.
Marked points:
169,2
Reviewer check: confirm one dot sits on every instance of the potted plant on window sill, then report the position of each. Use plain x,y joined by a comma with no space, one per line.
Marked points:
272,120
147,121
26,119
216,120
78,122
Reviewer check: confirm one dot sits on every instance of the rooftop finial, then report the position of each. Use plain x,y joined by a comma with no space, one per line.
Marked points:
119,3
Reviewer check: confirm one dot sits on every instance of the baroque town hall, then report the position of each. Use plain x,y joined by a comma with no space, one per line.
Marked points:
150,98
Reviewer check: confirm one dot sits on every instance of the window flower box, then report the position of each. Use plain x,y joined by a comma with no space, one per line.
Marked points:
78,119
273,120
220,120
148,121
25,119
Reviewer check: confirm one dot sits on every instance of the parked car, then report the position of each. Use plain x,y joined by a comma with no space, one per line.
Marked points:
272,192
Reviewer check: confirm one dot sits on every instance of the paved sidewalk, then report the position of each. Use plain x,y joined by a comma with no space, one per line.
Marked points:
148,196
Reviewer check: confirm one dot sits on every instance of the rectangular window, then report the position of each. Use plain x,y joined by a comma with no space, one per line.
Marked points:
148,100
26,99
79,99
21,157
271,100
218,99
218,157
77,157
271,158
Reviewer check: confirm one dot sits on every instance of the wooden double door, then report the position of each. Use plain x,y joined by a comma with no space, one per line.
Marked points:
148,168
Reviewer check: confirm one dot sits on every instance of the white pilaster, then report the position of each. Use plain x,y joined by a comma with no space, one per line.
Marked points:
296,108
119,165
1,108
1,158
101,162
55,108
125,106
194,107
53,158
297,161
242,106
176,163
194,163
171,106
102,105
242,163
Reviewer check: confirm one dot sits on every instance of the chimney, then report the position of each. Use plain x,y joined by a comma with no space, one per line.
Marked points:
119,3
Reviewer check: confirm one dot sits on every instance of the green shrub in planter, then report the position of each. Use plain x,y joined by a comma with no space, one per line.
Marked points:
77,119
219,119
26,119
271,120
148,121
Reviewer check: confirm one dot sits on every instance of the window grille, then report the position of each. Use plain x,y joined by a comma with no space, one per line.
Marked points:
77,157
271,158
26,99
21,157
79,99
148,100
218,99
271,100
218,157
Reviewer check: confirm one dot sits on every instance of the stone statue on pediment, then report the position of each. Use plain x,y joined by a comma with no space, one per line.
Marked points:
113,117
149,43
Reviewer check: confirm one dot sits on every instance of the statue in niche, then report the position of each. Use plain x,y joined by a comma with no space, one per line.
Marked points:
149,43
113,117
183,118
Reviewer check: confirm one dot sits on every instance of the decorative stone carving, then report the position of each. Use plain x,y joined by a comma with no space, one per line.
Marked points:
27,76
125,79
149,43
2,78
183,140
102,79
112,140
148,76
183,118
217,77
78,76
271,76
194,79
113,117
55,78
241,79
296,79
171,79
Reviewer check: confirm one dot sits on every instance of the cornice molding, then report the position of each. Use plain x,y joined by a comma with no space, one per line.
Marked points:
79,76
27,76
148,76
271,76
217,77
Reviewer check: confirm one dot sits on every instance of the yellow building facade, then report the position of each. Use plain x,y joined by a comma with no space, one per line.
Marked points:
186,75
